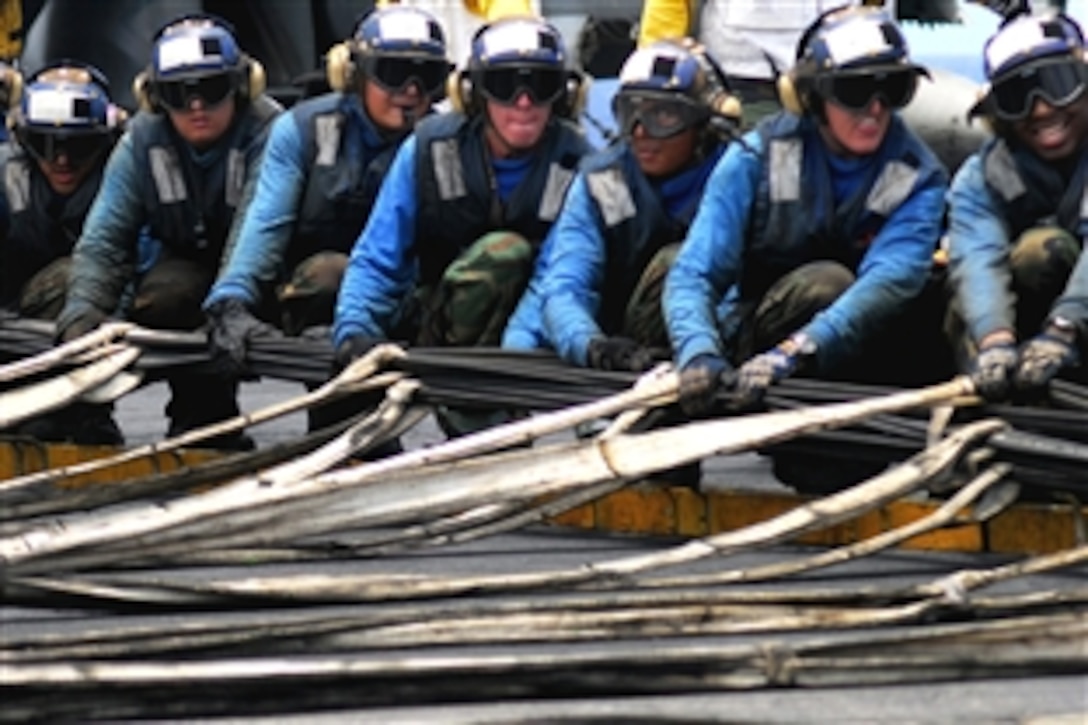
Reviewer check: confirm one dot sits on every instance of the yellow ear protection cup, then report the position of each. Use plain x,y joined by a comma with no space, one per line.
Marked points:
255,80
141,91
792,86
340,67
12,80
573,101
459,91
716,95
788,96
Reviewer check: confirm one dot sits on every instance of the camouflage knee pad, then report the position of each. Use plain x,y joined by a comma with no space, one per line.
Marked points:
478,292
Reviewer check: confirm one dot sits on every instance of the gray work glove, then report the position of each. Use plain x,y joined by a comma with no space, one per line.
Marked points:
992,370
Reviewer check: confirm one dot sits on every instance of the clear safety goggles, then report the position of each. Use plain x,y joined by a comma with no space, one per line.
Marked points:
660,117
1057,83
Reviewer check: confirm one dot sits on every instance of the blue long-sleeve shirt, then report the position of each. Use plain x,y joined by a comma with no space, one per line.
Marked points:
255,252
978,253
383,267
892,271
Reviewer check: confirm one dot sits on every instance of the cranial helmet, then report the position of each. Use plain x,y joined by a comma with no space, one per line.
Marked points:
1032,56
847,44
677,71
189,50
515,55
396,32
66,107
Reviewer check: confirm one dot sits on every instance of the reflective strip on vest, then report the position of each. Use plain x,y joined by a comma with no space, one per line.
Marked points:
609,190
236,177
1001,173
327,138
448,170
555,190
1084,205
169,182
17,186
892,188
785,175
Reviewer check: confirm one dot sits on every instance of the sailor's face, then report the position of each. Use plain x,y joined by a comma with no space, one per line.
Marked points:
856,133
1054,133
201,124
663,157
64,174
394,110
518,126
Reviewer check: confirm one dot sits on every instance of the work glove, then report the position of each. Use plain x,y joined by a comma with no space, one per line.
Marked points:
700,381
757,375
618,353
81,325
992,370
351,349
233,328
1042,358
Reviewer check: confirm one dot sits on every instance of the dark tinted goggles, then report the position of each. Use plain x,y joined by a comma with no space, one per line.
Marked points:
1059,84
505,85
857,92
659,118
78,149
395,74
211,90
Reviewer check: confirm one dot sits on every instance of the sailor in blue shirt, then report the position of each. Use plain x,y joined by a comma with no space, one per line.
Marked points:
321,171
595,297
1017,217
64,125
817,229
470,197
179,170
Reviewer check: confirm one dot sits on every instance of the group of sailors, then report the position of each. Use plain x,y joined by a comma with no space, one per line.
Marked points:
807,243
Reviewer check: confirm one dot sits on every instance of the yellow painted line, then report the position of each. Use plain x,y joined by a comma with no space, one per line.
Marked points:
652,509
20,456
1025,528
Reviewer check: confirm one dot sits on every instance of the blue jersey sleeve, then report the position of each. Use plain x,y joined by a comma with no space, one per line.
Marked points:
259,242
382,266
103,258
978,253
709,261
574,276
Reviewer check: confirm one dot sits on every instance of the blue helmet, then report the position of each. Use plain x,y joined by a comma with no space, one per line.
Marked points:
853,40
1030,57
665,67
194,47
67,98
65,109
1026,39
518,42
400,30
670,86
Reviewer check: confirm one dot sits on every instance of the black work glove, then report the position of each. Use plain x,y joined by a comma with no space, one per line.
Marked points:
351,349
81,325
992,370
1043,357
700,381
233,327
618,353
